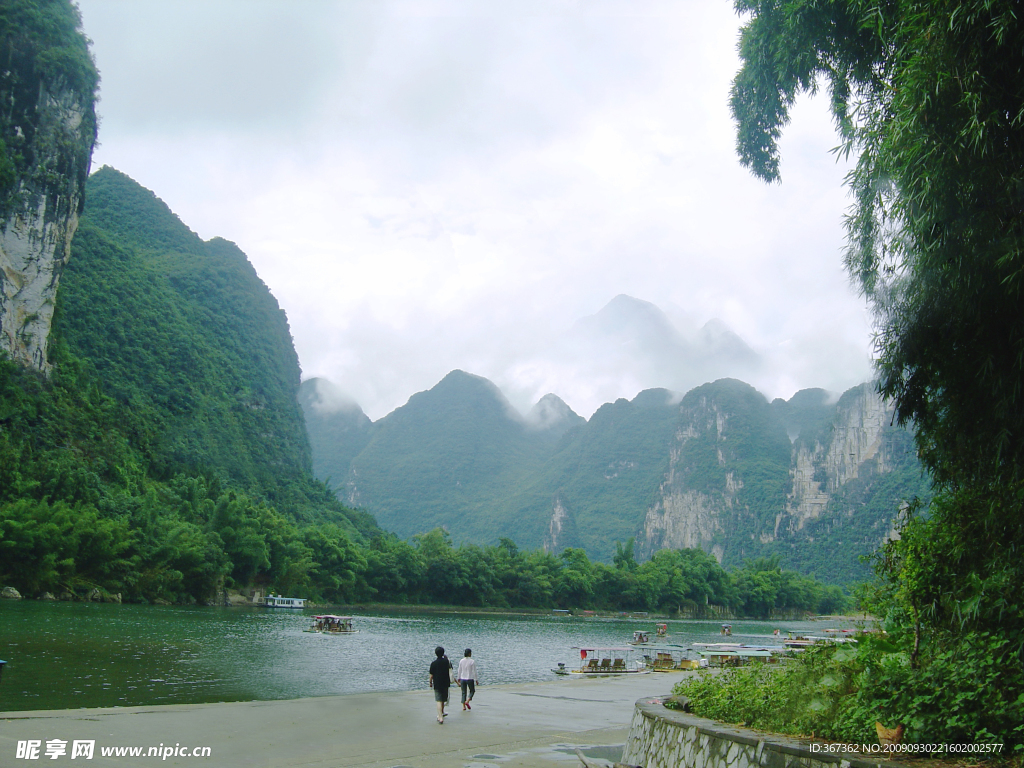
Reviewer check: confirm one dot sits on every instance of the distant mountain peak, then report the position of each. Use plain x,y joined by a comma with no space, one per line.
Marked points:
552,413
461,395
459,383
325,397
459,375
631,318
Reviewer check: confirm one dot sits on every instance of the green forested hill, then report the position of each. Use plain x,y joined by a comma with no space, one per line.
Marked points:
601,478
450,454
807,415
187,335
165,456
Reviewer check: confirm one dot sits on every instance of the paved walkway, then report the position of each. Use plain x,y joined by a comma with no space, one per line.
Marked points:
529,725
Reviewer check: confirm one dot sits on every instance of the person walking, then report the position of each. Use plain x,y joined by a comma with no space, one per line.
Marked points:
467,678
440,680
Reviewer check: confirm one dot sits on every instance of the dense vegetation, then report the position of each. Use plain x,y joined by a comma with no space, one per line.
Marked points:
793,699
675,582
929,99
43,55
164,458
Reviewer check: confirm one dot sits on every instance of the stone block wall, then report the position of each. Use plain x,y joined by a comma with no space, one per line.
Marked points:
664,738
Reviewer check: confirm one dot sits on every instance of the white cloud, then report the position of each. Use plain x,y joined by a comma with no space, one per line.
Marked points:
436,185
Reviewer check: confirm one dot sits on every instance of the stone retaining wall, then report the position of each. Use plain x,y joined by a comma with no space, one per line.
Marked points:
665,738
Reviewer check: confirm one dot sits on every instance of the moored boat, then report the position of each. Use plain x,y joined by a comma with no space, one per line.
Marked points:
672,658
605,661
733,654
277,601
806,641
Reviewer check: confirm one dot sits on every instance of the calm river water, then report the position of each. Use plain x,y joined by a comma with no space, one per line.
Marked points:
68,655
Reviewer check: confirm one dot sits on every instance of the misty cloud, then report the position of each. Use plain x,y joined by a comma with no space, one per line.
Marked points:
430,185
328,398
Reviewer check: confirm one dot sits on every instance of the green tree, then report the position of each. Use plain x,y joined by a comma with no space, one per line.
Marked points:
575,586
395,570
338,573
623,558
59,547
927,97
536,579
478,577
235,521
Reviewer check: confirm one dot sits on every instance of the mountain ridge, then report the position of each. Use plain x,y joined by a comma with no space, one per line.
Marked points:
720,468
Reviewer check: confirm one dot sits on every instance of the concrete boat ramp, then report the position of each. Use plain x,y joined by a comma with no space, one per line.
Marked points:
531,725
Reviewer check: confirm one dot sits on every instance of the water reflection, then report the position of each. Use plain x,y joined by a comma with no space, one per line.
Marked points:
67,655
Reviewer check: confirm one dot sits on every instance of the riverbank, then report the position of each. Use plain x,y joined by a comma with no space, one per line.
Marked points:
527,725
464,610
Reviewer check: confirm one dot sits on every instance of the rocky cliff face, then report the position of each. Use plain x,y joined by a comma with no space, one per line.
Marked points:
702,495
822,467
702,501
47,133
35,237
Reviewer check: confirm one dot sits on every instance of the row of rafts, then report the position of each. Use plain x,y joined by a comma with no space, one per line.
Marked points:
643,655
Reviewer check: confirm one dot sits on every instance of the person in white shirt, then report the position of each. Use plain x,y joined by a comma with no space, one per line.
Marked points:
467,678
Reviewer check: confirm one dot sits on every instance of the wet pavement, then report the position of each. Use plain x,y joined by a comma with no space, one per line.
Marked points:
528,725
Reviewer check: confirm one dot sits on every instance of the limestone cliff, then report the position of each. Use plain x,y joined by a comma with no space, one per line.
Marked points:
47,131
561,528
702,496
821,467
743,481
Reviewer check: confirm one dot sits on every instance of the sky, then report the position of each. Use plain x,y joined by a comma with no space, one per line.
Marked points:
427,185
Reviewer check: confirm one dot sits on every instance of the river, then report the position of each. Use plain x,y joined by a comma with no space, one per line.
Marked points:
68,655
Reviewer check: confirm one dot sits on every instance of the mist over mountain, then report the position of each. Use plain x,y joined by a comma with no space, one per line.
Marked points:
552,416
629,345
338,429
637,333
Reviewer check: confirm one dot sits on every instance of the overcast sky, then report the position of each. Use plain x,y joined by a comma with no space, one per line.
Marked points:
435,185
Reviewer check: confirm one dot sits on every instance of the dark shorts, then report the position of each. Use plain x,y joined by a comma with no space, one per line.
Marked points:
440,694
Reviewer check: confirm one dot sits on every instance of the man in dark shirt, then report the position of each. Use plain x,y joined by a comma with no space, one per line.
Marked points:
441,681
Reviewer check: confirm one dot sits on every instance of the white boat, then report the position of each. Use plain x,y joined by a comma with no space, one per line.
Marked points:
605,661
329,624
276,601
722,654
